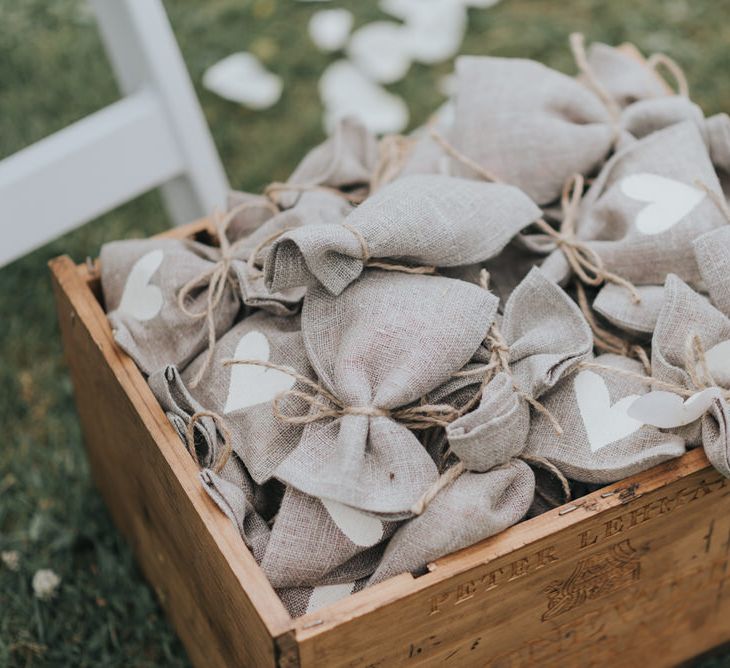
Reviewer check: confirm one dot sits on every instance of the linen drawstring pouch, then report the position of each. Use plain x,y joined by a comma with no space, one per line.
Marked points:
600,442
243,395
691,365
141,281
646,207
431,220
386,341
543,335
317,542
535,127
472,508
637,318
302,600
321,190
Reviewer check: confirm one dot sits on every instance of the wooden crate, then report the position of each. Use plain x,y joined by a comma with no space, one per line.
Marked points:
634,574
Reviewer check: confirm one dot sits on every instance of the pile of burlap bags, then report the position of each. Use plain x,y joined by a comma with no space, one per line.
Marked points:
416,342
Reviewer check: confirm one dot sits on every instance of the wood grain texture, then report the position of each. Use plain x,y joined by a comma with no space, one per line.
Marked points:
637,570
216,596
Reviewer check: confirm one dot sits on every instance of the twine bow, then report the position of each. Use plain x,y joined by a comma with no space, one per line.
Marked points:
216,278
585,263
499,360
323,404
695,365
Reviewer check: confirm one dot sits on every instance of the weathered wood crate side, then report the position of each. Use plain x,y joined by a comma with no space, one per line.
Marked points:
635,576
213,591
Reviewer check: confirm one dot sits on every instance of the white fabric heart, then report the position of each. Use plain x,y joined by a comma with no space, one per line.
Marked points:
242,78
141,300
667,410
668,201
363,530
326,594
251,385
604,423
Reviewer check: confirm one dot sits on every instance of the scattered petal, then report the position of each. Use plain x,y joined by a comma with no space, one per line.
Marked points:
330,28
11,559
381,51
435,32
242,78
45,583
346,91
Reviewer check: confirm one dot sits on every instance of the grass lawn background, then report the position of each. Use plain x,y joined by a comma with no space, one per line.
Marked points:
52,72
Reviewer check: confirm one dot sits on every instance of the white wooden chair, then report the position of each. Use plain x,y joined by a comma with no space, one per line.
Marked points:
155,136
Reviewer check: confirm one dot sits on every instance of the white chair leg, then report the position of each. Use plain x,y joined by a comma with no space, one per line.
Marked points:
144,54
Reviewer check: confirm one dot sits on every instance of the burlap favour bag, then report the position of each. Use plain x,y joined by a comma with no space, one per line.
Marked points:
244,395
531,125
542,336
600,442
317,542
472,508
427,221
534,127
691,368
142,281
647,205
377,348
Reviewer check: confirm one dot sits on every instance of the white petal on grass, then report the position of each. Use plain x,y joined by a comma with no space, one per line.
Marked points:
435,33
242,78
345,91
380,50
11,559
330,28
45,583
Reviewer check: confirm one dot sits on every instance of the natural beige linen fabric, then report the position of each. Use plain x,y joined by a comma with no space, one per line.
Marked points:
615,303
473,507
712,251
385,342
418,220
141,280
243,395
644,210
600,444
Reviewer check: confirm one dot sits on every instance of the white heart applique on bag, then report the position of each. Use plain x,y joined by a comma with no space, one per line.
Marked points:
667,410
140,299
604,423
251,385
668,201
363,530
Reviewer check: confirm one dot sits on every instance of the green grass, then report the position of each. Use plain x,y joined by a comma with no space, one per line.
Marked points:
53,72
